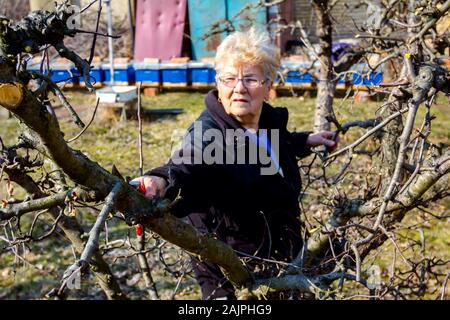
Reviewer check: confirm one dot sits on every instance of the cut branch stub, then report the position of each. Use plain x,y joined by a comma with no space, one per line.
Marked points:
11,95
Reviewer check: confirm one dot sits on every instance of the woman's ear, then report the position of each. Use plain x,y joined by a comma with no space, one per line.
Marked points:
269,88
219,94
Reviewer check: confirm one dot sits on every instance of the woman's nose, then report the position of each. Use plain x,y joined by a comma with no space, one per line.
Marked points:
240,87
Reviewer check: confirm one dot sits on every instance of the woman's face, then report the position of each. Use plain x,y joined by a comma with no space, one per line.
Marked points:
243,101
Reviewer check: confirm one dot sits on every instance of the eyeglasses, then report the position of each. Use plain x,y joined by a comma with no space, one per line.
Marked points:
248,82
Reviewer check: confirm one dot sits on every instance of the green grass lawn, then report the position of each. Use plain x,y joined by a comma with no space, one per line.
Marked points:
111,142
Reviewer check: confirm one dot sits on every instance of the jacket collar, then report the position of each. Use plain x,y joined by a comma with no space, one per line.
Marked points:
270,118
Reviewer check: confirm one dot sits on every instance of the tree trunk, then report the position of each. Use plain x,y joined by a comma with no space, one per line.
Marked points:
326,86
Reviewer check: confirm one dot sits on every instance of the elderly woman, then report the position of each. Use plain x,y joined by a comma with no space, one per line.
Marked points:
227,193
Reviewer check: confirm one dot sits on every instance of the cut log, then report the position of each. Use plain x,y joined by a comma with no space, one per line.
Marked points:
11,95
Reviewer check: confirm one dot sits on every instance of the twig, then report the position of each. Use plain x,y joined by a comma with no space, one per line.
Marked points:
94,234
427,122
380,62
394,84
81,64
358,262
369,123
97,33
368,133
88,6
61,97
405,25
444,285
94,39
344,168
441,11
409,67
180,278
19,209
141,157
87,126
294,266
144,266
362,36
396,246
423,85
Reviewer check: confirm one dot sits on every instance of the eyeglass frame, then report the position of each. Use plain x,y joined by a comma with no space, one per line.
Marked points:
260,82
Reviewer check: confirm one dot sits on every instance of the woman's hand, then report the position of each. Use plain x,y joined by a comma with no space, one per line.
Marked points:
150,186
324,138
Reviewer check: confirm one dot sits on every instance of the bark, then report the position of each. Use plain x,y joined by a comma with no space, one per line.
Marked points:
16,210
326,86
302,284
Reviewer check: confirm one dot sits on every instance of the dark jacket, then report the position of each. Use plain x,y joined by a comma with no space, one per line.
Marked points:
254,213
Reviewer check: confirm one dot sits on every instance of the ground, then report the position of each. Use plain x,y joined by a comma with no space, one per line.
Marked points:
110,141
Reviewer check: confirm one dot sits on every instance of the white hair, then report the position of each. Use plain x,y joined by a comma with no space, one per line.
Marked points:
250,47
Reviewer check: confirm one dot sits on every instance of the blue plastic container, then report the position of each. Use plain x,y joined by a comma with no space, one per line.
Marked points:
294,76
124,73
97,76
174,74
374,79
36,67
64,73
148,73
201,74
341,80
298,77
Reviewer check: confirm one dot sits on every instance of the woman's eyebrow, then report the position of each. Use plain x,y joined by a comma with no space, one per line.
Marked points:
245,75
226,74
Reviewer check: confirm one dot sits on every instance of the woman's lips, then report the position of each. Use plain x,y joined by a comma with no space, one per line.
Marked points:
240,100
